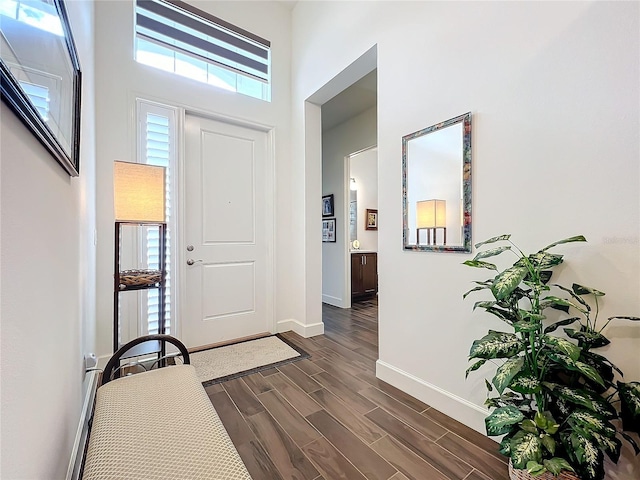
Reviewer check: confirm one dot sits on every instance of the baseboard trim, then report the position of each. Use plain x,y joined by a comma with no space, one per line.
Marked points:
335,301
305,331
448,403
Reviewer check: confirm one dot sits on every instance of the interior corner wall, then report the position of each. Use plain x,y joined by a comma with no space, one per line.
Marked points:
553,89
46,308
351,136
120,80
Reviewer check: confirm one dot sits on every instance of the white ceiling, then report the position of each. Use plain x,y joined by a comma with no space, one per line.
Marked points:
352,101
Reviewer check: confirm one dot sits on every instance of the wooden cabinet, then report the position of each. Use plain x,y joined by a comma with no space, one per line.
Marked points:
364,274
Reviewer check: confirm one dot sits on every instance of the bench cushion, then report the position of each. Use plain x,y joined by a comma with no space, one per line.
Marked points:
159,425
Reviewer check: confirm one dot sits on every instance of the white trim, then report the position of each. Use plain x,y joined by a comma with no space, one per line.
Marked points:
300,328
335,301
448,403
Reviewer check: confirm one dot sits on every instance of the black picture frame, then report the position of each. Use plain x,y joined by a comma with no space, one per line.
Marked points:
54,62
329,230
327,205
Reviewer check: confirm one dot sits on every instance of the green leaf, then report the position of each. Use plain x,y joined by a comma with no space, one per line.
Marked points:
545,421
525,383
475,289
488,385
535,469
474,367
630,405
526,327
492,252
577,238
579,299
484,304
577,366
532,317
564,346
591,422
582,290
633,319
480,264
561,323
502,420
529,426
493,240
575,396
590,458
506,372
556,465
505,446
507,281
543,260
558,303
496,345
549,443
525,447
589,338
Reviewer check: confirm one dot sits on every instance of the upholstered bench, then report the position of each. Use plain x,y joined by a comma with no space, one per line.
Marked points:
161,425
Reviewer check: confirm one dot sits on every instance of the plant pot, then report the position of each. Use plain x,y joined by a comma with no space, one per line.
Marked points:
517,474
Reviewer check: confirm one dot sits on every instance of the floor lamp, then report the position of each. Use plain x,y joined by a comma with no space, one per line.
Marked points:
431,215
139,200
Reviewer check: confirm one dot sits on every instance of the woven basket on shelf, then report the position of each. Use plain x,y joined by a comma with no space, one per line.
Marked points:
516,474
139,278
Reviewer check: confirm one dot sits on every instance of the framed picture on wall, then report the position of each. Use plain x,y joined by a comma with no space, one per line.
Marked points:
371,218
327,205
329,230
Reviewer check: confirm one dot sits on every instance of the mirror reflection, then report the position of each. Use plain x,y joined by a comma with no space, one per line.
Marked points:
437,187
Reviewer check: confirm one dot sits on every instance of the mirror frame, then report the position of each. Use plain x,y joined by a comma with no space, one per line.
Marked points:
15,97
465,119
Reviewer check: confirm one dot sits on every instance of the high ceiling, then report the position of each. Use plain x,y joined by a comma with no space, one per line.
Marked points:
352,101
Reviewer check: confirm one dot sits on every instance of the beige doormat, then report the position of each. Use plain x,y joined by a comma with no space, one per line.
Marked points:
218,364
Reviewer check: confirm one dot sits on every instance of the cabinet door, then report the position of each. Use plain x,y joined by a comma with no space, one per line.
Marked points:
356,274
370,273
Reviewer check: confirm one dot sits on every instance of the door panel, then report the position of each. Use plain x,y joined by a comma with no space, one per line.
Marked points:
227,212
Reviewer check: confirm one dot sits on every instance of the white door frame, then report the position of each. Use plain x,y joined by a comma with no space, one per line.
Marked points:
181,252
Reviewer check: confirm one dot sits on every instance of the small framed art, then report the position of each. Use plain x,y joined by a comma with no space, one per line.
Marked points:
329,230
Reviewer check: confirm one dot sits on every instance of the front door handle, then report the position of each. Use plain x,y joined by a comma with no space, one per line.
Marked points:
191,261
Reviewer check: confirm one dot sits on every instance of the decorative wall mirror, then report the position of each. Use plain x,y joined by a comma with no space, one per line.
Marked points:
436,187
40,75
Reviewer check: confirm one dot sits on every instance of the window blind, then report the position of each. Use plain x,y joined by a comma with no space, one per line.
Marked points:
186,29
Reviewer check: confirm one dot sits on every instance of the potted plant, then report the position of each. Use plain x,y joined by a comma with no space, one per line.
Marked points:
556,401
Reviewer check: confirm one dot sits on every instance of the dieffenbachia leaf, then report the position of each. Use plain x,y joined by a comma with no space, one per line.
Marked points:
480,264
526,327
496,345
474,289
633,319
474,367
582,290
630,405
591,422
506,372
525,383
577,238
507,281
549,443
491,253
561,323
571,395
577,366
502,420
577,298
525,447
544,260
559,304
563,345
591,338
484,304
493,240
590,458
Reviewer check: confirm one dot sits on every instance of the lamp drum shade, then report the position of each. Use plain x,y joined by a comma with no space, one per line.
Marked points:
431,213
139,192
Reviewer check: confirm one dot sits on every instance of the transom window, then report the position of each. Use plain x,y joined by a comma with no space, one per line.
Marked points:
174,36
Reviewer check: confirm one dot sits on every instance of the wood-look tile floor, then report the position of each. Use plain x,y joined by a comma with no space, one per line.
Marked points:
328,417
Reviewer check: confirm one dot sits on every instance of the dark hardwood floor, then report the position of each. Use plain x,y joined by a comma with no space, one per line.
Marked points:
328,417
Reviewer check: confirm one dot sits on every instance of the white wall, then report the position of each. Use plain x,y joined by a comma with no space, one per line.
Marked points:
46,304
121,80
553,88
338,142
364,170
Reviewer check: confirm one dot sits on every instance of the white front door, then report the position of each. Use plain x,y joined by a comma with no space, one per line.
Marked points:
228,231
